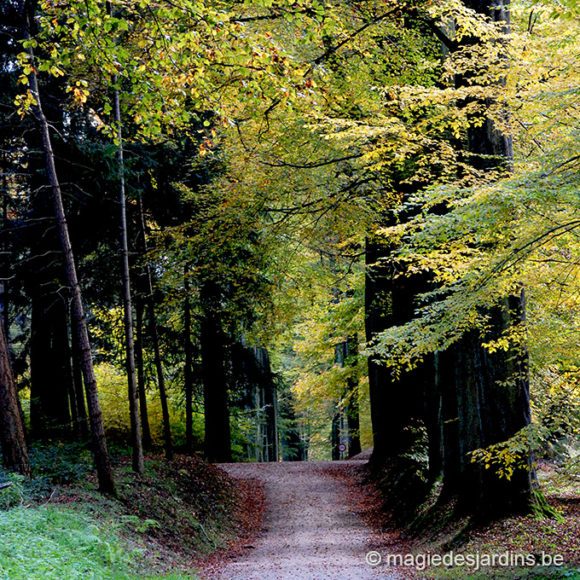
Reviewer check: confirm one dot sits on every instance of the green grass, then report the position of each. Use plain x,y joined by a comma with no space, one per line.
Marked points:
60,542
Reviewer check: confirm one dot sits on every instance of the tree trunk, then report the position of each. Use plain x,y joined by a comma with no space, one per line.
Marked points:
352,398
490,391
148,279
136,440
82,424
99,443
188,370
396,402
50,372
376,305
167,441
214,376
140,364
12,441
270,402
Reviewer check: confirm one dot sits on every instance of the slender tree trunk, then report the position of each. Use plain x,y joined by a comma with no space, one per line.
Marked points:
188,370
136,440
352,409
167,440
82,424
270,402
168,444
99,443
5,261
140,364
12,441
375,322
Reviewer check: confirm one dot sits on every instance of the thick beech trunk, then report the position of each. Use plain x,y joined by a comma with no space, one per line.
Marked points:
489,392
81,334
397,407
376,311
12,441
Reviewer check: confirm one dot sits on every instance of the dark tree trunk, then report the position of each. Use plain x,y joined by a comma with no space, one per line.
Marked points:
82,424
269,398
335,436
154,331
397,407
188,370
376,310
140,364
12,441
214,376
50,372
490,392
136,438
99,443
167,440
352,395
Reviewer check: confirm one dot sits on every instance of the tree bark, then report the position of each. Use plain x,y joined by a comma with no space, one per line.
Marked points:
136,438
99,443
188,369
154,331
214,376
12,441
490,392
140,364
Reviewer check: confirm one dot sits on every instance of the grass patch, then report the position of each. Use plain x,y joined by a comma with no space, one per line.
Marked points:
163,524
60,542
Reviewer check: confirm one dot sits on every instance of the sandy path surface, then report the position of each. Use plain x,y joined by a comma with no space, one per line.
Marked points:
309,530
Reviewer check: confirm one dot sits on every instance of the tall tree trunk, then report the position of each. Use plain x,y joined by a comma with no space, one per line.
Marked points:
12,441
99,443
50,373
148,279
82,424
490,391
376,304
140,364
188,370
167,440
396,402
352,397
5,258
136,440
214,376
270,401
141,381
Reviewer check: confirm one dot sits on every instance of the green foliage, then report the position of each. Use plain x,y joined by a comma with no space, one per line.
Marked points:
59,463
12,495
59,542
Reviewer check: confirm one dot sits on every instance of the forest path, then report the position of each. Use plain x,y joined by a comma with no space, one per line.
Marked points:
309,530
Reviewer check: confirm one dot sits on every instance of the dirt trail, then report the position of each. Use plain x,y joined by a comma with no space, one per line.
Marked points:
309,531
